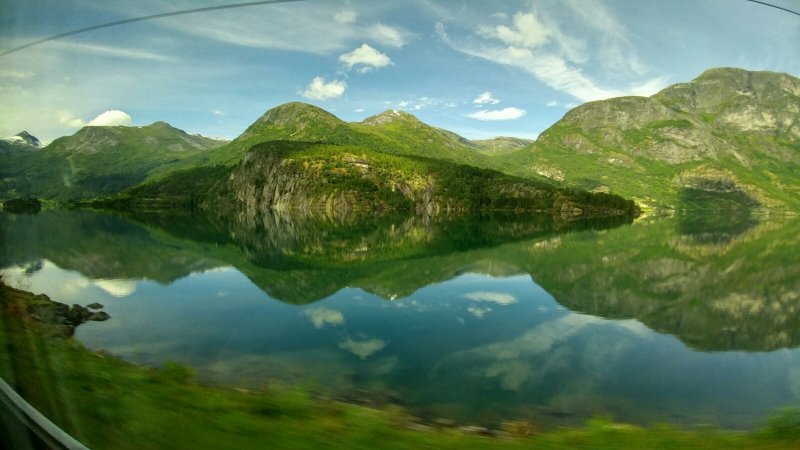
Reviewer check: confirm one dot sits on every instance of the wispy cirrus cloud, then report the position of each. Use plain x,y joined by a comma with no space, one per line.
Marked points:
109,51
534,43
345,16
320,28
615,47
16,74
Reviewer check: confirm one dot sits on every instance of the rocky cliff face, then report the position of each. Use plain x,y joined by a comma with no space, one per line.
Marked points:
340,180
339,184
731,125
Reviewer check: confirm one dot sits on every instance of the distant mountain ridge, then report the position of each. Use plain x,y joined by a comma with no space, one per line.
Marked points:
727,131
392,131
20,142
728,140
98,160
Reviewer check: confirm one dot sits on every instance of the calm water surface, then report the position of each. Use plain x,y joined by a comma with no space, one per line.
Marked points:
688,321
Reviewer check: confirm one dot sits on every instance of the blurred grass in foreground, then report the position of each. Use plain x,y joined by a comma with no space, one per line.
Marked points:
107,403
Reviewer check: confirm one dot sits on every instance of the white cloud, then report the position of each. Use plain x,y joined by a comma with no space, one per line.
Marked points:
346,16
527,31
318,89
493,297
313,27
217,112
511,361
509,113
358,110
614,50
15,74
112,117
365,56
478,312
416,104
552,103
549,68
114,52
650,87
512,374
74,286
363,349
387,35
117,288
486,99
537,45
324,316
69,120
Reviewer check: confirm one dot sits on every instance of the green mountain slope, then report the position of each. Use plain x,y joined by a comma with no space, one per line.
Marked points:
98,161
407,135
728,133
501,145
342,179
392,132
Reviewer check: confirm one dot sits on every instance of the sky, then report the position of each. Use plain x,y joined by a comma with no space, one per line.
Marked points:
480,69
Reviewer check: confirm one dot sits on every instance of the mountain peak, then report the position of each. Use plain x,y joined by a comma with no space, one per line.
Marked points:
390,116
29,138
294,113
729,89
20,142
160,124
293,121
723,72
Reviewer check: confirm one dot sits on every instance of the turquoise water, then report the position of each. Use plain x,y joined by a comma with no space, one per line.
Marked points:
478,322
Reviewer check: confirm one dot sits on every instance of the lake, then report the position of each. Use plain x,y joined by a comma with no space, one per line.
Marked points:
687,319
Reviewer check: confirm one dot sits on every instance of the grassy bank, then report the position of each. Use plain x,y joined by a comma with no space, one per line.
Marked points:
108,403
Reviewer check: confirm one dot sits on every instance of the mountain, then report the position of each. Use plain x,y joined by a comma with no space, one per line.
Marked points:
501,145
728,139
393,132
342,180
297,121
98,161
21,142
733,288
407,135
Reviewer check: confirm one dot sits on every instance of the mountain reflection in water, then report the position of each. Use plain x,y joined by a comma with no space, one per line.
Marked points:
468,333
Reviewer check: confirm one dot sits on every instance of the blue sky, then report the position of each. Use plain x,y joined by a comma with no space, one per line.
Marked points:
480,69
